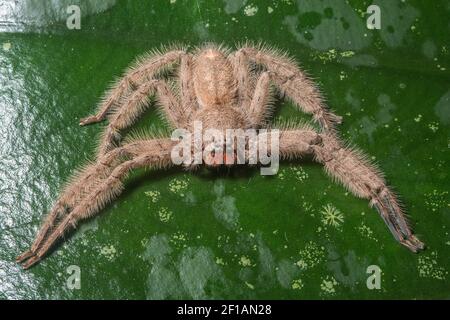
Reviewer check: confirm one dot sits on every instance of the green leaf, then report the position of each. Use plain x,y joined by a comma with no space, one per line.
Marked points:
229,234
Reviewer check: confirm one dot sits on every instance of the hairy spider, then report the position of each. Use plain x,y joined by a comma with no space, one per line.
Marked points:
223,90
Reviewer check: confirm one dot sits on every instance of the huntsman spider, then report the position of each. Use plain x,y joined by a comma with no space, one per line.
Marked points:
222,89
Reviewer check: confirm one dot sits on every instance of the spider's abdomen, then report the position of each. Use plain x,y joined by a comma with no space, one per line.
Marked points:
213,78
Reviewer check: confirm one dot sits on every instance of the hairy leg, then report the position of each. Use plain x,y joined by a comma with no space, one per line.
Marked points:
77,187
134,106
259,109
294,83
351,168
87,181
243,77
188,98
145,69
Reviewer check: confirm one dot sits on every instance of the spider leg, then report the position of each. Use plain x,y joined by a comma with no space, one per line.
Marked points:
146,68
351,168
294,83
259,109
135,105
85,182
244,78
79,185
187,92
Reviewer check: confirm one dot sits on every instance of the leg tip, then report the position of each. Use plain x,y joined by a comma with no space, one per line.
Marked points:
413,244
88,120
24,256
31,262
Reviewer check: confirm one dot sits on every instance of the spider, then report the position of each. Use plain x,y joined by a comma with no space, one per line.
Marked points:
222,89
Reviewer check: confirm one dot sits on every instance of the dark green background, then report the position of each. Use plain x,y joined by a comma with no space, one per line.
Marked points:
234,234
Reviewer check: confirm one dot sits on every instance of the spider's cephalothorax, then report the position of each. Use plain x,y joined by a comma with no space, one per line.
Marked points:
222,90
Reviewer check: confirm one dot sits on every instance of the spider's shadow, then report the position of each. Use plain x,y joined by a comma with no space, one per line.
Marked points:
144,176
